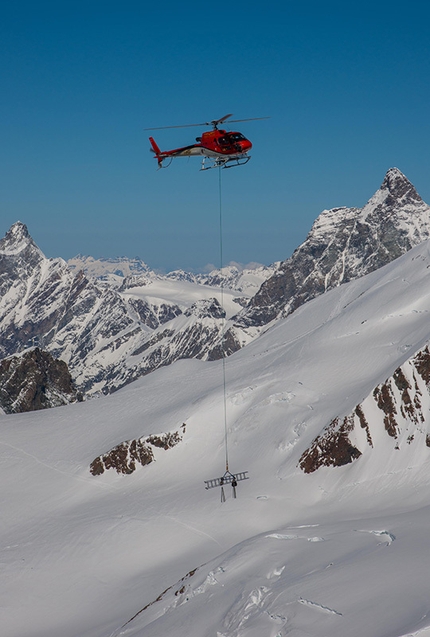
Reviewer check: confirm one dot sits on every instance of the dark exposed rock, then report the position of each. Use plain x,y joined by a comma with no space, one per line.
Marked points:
126,456
154,316
333,448
206,308
422,364
44,303
17,250
364,424
166,313
123,458
400,401
35,380
153,340
241,300
386,402
165,441
224,347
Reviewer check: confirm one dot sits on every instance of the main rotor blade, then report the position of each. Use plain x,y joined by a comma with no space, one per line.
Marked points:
248,119
214,122
180,126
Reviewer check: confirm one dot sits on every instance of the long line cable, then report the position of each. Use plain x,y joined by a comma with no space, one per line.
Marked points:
223,318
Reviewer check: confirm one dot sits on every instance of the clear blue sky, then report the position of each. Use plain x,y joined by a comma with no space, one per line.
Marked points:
346,84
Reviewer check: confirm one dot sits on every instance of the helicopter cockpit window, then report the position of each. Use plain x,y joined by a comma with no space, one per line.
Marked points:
223,141
237,137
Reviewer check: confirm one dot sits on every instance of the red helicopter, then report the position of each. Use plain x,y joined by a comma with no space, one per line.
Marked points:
223,149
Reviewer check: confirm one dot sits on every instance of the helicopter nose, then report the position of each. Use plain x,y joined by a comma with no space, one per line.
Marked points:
246,145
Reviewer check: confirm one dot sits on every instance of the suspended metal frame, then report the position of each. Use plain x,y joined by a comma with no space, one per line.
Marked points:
227,478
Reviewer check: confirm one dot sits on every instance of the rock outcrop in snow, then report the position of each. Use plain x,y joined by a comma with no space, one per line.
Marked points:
397,407
35,380
126,456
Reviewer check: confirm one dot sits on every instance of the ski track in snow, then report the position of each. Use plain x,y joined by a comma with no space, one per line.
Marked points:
321,607
68,475
281,536
192,528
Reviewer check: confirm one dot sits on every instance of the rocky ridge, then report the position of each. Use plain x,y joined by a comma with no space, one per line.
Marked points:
395,409
127,273
108,337
112,332
343,244
126,456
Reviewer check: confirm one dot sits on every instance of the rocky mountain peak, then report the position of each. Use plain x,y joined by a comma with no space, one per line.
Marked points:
17,249
19,259
398,185
16,239
18,231
344,244
206,308
396,197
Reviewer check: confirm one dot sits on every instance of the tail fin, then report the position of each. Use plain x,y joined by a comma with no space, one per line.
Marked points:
157,151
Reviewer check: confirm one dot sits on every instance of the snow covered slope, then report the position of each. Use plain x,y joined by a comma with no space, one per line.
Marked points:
339,551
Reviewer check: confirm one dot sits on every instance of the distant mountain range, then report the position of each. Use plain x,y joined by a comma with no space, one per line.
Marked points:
114,320
123,272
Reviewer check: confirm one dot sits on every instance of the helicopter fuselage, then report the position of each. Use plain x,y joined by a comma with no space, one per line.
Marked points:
216,144
222,142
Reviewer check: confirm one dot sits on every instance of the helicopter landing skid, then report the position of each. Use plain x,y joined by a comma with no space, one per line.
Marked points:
224,163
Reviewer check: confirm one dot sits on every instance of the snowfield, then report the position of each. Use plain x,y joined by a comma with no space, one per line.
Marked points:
343,551
183,294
